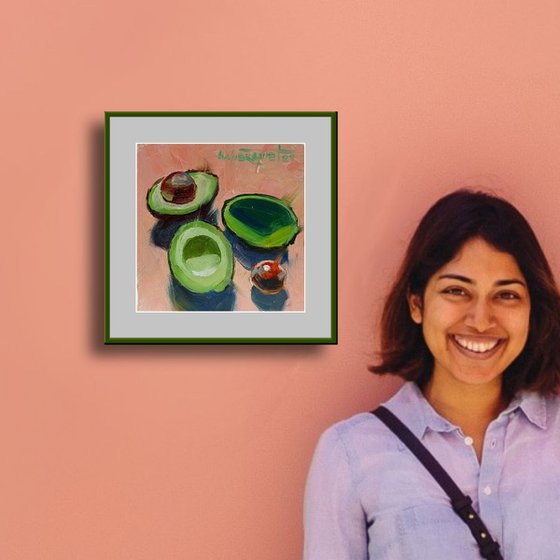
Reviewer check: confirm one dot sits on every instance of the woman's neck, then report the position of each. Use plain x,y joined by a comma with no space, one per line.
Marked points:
471,407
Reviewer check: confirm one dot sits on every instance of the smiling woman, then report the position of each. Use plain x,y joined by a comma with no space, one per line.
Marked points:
470,309
473,324
492,233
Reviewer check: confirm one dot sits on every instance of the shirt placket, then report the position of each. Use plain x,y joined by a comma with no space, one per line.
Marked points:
489,477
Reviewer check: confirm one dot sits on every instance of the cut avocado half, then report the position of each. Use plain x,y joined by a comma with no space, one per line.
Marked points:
201,258
261,220
206,191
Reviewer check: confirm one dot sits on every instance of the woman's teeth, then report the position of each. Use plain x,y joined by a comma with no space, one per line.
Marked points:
479,347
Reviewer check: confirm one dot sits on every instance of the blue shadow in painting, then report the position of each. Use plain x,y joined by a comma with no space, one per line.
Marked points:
248,256
185,300
164,230
269,302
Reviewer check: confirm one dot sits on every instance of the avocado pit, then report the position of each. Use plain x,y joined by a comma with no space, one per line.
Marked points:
178,188
268,276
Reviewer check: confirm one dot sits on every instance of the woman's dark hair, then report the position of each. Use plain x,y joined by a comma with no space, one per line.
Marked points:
448,224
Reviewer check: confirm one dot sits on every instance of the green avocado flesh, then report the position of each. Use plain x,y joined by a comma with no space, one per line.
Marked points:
261,220
201,258
206,191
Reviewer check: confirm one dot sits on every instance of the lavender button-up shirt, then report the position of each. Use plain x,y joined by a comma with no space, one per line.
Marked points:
369,498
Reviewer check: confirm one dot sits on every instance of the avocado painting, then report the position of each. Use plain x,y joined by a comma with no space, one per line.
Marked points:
220,227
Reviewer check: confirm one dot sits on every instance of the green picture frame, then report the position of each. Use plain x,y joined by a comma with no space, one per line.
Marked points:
268,168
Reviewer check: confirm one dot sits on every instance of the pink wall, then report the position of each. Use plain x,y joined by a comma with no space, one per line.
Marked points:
198,452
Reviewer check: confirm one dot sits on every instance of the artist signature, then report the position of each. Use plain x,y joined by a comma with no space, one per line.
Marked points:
256,156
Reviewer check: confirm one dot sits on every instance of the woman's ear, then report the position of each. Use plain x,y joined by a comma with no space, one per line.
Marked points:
415,306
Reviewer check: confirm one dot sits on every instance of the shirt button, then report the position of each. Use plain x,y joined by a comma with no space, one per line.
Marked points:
468,440
493,444
487,490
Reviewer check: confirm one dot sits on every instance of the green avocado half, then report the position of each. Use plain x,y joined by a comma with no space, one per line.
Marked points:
206,191
261,220
201,258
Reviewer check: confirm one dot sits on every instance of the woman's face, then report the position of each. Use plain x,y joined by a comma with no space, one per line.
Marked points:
474,314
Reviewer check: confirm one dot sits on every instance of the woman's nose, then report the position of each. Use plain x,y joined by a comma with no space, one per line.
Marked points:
480,315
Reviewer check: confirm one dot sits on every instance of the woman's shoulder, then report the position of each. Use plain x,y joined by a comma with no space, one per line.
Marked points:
363,430
343,446
345,433
355,423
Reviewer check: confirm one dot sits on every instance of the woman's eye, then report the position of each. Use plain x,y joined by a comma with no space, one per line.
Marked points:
454,291
508,295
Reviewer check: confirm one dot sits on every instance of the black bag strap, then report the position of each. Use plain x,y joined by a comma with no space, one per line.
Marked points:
461,503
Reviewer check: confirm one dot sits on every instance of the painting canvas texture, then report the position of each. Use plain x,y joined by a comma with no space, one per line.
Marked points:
220,227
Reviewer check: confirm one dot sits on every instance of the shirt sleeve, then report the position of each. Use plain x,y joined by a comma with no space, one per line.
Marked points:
334,520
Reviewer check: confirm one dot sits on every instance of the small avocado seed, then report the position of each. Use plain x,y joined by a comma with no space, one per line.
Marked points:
178,188
268,276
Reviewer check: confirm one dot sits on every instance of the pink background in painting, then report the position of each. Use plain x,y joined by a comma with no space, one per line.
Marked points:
283,179
201,452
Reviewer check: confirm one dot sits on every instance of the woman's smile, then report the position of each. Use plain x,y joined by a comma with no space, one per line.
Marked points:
474,314
477,348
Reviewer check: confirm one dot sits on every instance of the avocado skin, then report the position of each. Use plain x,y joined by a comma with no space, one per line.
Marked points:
264,206
192,206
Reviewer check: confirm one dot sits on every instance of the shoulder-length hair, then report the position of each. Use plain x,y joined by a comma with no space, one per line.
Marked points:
448,224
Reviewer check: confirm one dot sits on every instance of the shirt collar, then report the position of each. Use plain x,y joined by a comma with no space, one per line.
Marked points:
410,405
533,406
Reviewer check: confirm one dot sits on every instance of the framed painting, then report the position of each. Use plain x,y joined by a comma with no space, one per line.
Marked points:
221,228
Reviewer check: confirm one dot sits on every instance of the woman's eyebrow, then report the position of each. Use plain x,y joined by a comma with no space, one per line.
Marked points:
510,281
504,282
456,277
